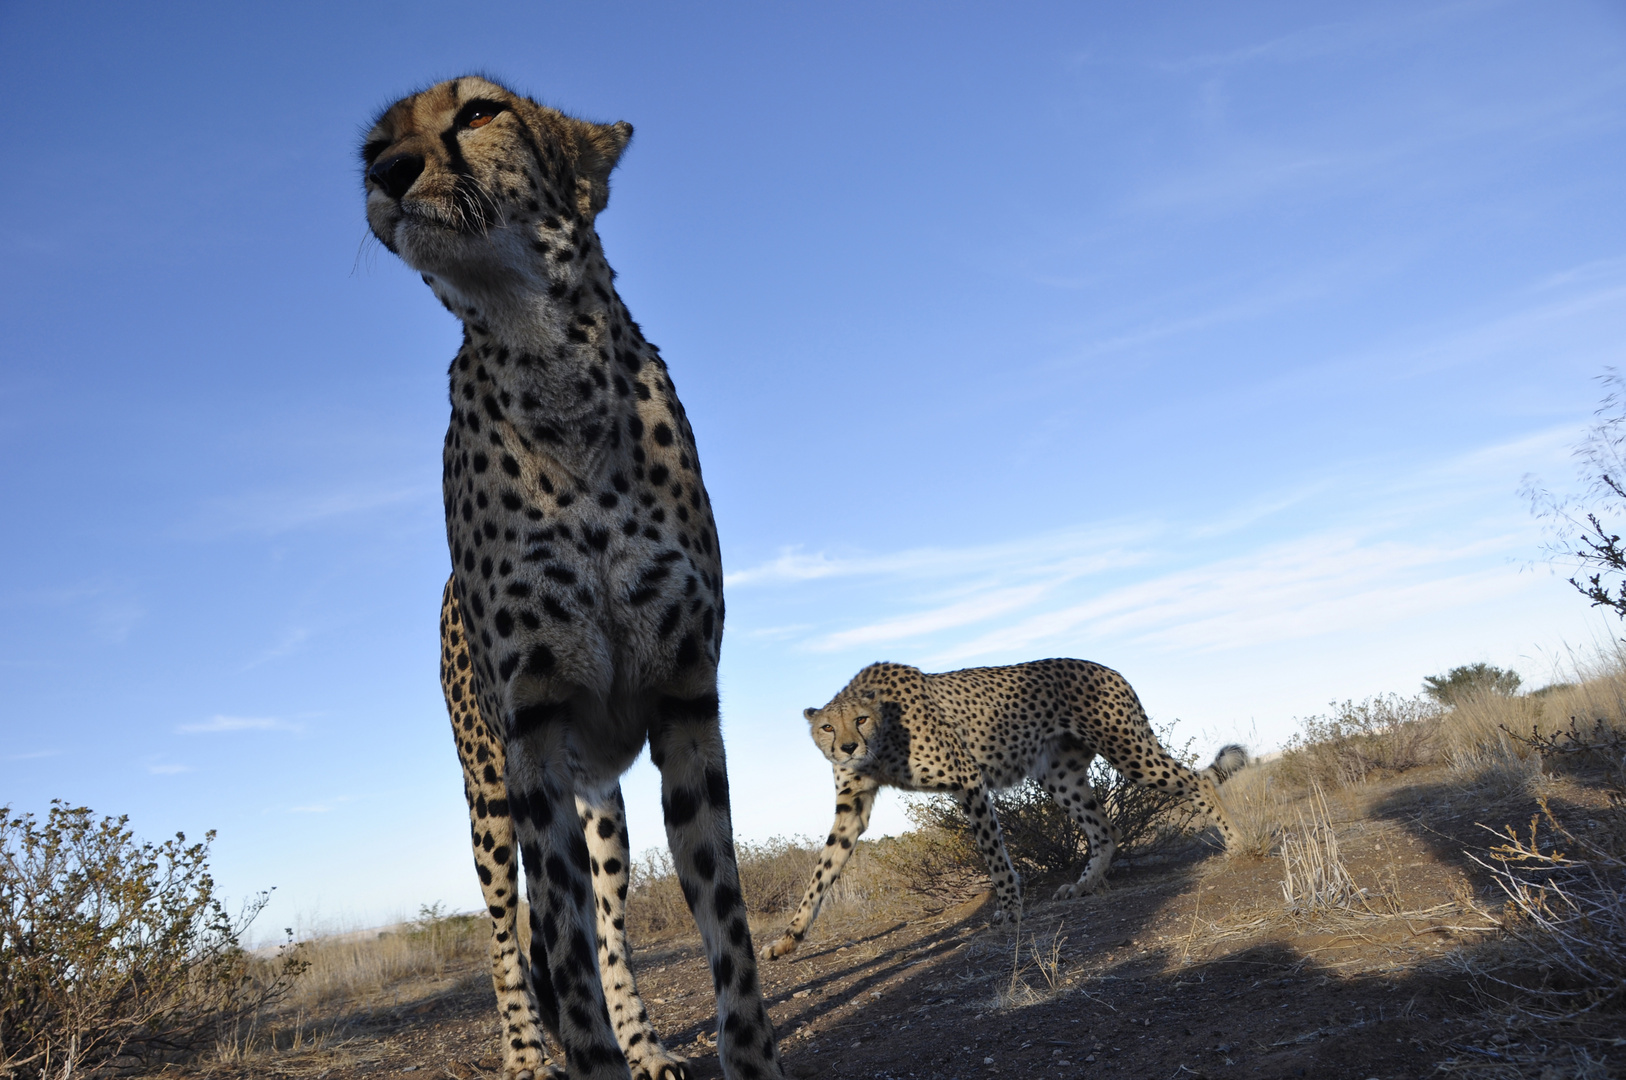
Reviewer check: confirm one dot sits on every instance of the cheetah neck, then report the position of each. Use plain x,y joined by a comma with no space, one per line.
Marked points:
562,365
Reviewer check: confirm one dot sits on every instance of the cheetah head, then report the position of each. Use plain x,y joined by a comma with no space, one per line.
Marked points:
474,185
845,729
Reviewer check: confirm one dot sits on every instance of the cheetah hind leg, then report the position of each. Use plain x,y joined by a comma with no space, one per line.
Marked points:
1066,776
604,819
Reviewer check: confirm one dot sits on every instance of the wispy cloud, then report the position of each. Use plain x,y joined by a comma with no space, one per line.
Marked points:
281,511
1075,552
287,644
1312,586
1389,548
326,806
216,724
33,755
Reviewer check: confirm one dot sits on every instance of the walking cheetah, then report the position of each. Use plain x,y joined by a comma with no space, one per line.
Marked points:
585,609
984,729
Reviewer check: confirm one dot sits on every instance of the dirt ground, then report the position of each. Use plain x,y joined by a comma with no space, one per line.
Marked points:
1188,969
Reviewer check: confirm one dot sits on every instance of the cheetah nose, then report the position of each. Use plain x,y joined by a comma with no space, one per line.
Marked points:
396,174
848,747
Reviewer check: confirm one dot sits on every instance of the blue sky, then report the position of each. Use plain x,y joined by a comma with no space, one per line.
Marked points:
1212,343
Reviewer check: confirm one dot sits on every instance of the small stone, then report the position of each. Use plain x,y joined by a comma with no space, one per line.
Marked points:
1089,1057
987,1061
797,994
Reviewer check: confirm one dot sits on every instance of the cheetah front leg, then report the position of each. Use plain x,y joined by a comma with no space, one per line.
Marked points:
686,745
542,801
985,827
855,798
604,821
496,858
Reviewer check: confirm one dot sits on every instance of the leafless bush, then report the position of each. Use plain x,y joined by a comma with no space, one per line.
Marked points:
1383,734
937,862
116,953
1041,838
1569,908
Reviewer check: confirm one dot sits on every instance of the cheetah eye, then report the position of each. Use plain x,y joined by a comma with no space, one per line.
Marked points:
477,114
861,719
826,727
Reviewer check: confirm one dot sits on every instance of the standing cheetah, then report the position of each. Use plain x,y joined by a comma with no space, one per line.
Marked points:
585,610
985,729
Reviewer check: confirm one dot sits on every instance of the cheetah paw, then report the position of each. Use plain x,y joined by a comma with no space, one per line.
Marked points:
783,947
664,1067
548,1071
1067,892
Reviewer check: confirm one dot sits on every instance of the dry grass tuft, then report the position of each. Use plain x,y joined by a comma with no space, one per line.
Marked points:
1314,878
1258,801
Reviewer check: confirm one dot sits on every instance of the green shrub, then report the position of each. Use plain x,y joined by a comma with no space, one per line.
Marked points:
116,953
1471,680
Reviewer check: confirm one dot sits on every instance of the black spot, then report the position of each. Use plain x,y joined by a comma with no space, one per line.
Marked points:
540,661
669,619
717,789
663,433
680,807
528,718
504,622
688,653
606,827
725,900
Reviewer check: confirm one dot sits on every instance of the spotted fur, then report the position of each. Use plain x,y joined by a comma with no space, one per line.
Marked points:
985,729
585,610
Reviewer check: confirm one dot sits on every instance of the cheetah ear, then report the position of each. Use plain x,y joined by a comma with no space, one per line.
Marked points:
598,148
810,713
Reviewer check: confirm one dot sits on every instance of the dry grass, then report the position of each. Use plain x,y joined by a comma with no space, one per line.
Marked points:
367,968
773,876
1258,800
1314,877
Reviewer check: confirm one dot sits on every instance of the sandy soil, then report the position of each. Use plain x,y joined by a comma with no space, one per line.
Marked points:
1189,969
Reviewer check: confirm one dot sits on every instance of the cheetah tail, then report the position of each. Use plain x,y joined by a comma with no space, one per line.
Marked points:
1228,762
